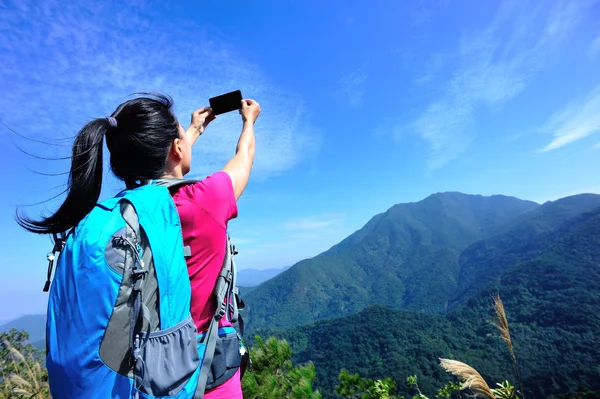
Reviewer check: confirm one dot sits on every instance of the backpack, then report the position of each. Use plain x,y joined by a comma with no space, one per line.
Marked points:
119,322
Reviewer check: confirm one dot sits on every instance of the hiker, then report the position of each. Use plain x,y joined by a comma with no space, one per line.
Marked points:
205,208
123,312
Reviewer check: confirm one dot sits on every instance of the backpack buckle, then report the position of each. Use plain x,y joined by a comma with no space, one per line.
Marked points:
139,275
222,311
59,244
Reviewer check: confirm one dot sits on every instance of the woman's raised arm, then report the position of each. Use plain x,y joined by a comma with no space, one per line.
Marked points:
239,167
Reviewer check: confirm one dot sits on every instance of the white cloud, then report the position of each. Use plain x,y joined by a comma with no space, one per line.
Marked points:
432,69
62,66
313,223
492,66
594,49
353,86
575,122
291,241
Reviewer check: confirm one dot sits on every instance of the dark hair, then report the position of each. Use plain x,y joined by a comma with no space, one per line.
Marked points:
139,146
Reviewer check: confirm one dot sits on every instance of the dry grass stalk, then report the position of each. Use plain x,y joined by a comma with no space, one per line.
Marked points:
470,377
21,392
28,377
16,355
19,381
501,323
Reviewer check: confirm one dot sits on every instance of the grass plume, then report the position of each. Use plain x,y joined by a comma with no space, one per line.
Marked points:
27,377
469,376
501,323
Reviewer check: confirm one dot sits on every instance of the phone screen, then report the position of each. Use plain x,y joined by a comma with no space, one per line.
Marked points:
226,102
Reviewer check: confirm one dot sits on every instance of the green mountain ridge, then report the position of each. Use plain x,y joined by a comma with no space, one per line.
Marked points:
405,258
481,210
552,304
528,236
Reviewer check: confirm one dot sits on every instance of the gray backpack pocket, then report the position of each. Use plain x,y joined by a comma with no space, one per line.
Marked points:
169,358
226,361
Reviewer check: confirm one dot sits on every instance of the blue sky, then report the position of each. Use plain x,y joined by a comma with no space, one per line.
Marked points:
365,105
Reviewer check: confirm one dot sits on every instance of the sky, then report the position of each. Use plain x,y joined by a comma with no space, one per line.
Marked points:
364,105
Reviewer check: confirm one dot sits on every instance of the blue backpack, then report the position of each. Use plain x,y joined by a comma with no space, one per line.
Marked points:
119,322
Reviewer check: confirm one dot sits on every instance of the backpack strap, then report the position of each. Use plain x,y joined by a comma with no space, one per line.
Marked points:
173,184
138,274
210,338
228,305
226,293
235,303
59,244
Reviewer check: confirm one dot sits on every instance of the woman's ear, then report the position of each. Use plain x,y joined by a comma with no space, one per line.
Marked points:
177,149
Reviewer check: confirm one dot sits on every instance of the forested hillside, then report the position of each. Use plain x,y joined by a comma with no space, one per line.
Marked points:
552,303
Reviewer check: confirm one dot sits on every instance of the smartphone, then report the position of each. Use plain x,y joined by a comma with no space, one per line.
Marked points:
226,102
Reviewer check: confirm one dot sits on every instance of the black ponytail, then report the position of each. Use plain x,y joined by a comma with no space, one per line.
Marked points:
138,134
84,185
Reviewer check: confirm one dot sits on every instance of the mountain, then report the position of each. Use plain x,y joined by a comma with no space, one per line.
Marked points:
35,325
253,277
406,258
524,239
553,308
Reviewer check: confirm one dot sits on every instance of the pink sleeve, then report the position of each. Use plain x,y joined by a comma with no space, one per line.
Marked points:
215,194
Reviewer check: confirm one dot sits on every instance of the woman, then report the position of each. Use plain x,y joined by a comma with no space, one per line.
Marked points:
204,209
146,142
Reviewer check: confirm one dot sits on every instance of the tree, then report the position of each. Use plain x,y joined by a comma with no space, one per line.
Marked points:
273,376
353,386
21,372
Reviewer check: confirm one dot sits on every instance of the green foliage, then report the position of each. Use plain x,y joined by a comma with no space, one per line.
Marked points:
273,375
581,393
412,383
356,387
21,372
353,386
505,391
448,390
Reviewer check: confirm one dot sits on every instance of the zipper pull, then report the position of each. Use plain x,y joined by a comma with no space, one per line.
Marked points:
141,255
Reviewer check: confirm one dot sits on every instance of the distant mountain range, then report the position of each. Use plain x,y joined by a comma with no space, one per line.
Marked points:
254,277
35,325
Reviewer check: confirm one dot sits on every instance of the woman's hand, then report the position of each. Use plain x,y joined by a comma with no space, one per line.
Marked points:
200,120
250,111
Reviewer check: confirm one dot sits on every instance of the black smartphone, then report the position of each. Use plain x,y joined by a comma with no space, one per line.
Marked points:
226,102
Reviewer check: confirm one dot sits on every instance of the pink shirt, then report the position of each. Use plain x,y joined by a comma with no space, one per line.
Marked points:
204,209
